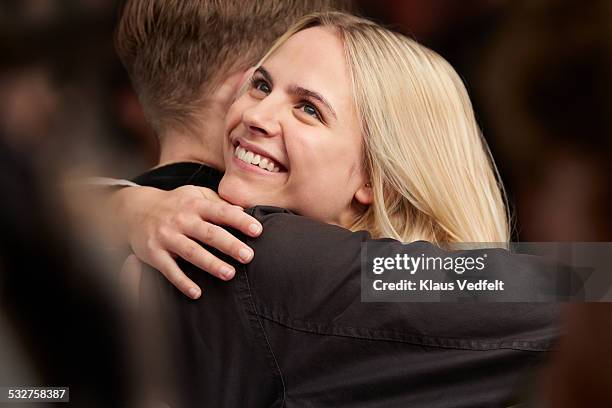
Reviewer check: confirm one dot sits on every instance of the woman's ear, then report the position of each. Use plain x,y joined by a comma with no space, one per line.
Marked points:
364,195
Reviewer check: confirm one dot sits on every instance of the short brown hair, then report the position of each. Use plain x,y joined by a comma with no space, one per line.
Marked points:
176,51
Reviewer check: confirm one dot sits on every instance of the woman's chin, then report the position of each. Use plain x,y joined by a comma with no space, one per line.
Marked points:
247,194
237,193
231,193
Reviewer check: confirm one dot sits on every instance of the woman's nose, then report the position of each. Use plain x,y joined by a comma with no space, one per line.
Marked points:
263,118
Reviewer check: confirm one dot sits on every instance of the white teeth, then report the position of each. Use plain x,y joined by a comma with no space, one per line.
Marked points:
255,159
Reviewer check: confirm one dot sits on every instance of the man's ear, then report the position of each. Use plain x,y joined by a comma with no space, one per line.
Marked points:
229,90
364,195
243,80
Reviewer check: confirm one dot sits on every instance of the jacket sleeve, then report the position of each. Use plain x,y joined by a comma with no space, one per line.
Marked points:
335,350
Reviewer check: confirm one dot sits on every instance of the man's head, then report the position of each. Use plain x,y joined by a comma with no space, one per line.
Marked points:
179,52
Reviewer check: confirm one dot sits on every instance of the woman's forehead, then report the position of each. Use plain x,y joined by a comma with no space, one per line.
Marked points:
319,46
314,59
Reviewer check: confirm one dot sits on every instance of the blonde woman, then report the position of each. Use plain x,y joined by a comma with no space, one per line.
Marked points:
409,126
345,123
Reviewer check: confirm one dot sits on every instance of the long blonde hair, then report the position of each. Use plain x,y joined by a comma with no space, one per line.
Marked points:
431,172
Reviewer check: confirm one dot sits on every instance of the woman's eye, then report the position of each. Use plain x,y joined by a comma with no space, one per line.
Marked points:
261,86
310,111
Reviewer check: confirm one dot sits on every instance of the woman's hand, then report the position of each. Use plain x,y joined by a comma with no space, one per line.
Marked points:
162,225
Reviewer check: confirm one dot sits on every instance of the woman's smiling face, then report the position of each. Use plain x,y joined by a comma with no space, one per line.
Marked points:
293,139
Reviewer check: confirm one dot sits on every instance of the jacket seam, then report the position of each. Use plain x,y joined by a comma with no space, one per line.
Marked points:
419,340
257,316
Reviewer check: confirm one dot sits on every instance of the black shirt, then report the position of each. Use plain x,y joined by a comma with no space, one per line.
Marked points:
290,329
176,175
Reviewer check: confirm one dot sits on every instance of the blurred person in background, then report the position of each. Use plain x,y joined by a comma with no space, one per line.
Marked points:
59,320
60,326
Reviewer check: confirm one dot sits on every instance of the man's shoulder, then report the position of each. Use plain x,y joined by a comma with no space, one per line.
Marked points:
307,275
302,246
298,235
299,261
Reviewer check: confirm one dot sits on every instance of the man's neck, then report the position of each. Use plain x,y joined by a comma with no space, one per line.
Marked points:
177,147
185,150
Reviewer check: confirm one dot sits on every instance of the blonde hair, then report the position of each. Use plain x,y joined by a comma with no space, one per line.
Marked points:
431,172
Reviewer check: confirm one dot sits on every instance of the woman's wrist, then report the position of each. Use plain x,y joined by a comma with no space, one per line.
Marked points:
127,207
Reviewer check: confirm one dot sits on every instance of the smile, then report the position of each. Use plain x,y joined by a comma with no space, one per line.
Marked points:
255,159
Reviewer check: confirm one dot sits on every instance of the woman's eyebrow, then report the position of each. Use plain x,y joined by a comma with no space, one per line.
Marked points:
303,92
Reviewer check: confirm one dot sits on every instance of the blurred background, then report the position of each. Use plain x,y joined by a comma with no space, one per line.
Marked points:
539,73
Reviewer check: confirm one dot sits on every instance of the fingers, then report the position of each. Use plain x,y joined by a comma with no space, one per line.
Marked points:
194,253
214,236
177,220
163,262
129,281
220,212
